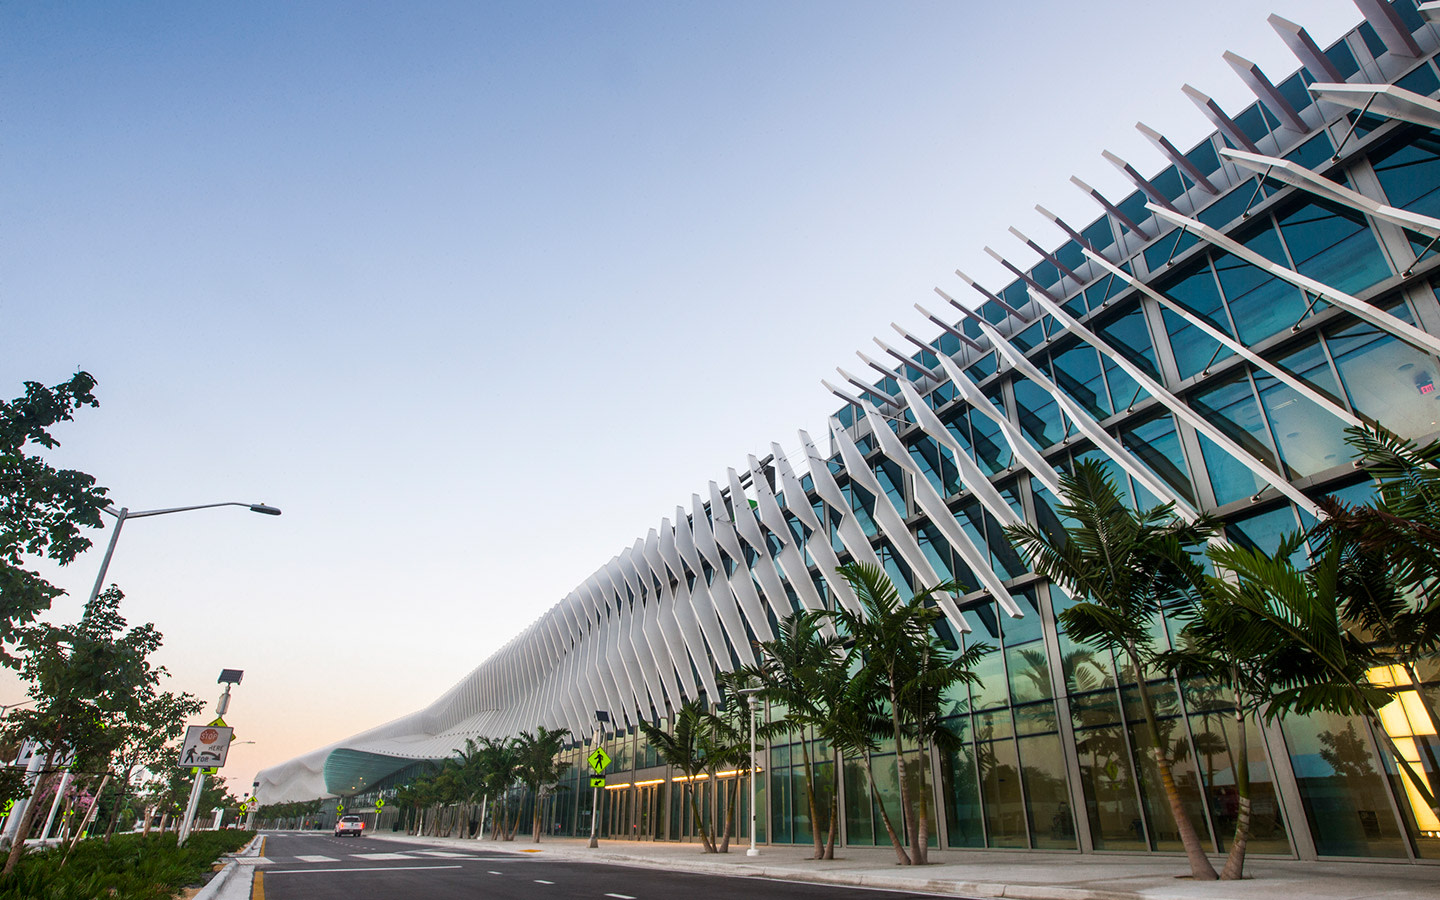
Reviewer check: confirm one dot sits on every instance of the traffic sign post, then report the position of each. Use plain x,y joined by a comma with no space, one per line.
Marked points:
207,746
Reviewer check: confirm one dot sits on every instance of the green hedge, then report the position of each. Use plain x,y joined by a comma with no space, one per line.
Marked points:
130,867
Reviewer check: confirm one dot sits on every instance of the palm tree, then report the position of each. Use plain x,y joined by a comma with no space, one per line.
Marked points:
1131,565
726,745
682,747
900,658
1390,576
538,766
792,668
1321,661
1231,650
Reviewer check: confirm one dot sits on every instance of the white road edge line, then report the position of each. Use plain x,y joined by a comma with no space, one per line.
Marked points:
356,869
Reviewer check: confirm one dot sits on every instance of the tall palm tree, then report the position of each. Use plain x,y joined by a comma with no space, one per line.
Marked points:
1231,650
683,748
1129,565
791,670
893,643
538,766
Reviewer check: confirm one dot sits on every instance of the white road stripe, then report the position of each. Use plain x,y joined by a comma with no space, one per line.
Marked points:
356,869
381,856
621,896
493,872
542,881
445,854
317,859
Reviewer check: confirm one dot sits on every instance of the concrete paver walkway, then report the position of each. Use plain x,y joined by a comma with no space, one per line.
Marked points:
998,873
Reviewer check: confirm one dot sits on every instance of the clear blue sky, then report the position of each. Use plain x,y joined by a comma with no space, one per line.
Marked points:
478,292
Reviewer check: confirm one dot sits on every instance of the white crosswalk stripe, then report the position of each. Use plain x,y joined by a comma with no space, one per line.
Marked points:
445,854
317,859
379,856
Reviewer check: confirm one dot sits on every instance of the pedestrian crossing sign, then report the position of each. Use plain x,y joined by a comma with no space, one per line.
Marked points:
599,760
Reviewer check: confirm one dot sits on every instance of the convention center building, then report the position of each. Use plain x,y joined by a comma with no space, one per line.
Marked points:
1211,335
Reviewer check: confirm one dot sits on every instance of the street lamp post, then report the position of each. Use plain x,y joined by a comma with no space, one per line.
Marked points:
749,694
121,515
601,717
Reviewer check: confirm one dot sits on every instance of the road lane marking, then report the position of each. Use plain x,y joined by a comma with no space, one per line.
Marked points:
493,872
621,896
358,869
381,856
257,887
444,854
317,859
543,881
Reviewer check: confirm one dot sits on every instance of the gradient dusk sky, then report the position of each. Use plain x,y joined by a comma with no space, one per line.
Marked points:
478,292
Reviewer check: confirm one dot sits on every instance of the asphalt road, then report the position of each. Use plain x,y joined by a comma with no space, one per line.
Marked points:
323,867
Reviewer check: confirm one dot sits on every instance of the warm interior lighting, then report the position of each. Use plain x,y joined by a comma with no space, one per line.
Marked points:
616,787
1404,719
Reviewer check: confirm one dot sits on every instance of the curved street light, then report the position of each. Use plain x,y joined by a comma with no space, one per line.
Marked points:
124,513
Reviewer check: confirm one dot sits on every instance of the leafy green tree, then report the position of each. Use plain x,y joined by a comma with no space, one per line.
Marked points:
896,655
80,677
1125,567
42,509
150,725
538,766
683,747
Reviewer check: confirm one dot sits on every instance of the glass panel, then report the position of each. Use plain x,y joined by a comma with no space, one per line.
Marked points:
1232,408
1311,438
1047,793
1260,304
1333,245
1107,774
1157,444
1038,413
1342,788
1410,173
1000,786
962,793
1199,294
1077,373
1385,379
1131,337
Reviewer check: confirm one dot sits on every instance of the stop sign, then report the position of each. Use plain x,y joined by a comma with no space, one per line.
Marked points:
208,736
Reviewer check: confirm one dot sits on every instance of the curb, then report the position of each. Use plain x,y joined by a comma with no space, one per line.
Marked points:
222,879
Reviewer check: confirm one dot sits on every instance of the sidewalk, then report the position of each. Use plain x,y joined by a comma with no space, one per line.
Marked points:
996,873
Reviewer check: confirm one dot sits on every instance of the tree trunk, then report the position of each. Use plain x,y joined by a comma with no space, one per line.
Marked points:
907,811
1235,862
922,813
538,802
85,820
17,849
149,814
729,808
810,798
120,802
699,822
901,857
1200,868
